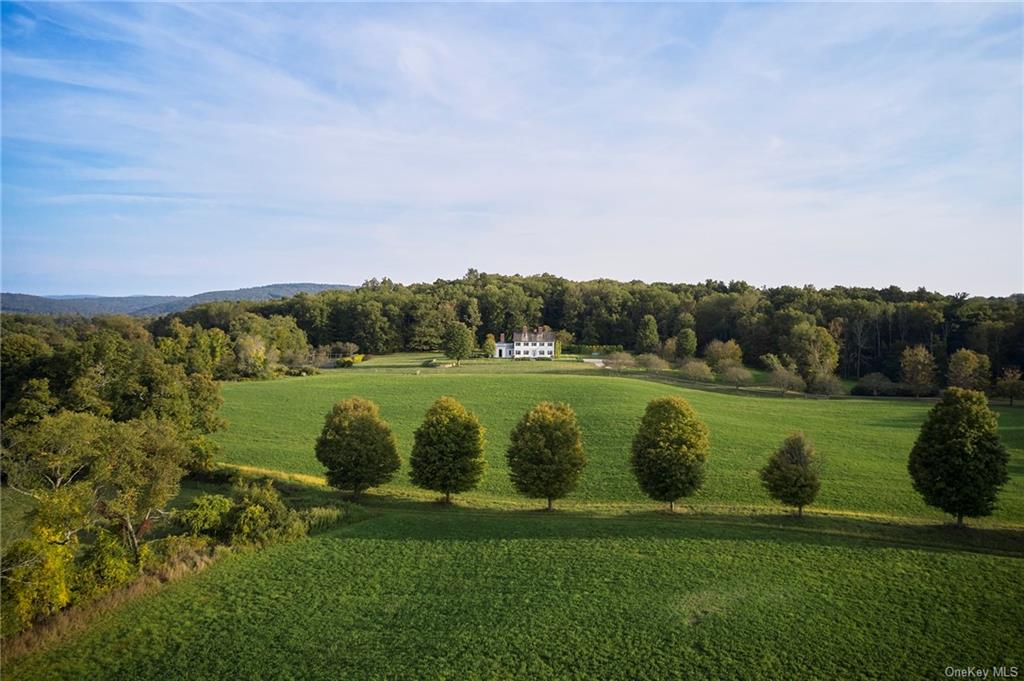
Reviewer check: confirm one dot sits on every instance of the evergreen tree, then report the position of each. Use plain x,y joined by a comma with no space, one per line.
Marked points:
647,339
958,463
357,447
686,344
791,475
669,450
448,450
545,454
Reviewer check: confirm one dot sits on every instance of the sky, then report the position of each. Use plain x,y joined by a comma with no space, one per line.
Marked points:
173,149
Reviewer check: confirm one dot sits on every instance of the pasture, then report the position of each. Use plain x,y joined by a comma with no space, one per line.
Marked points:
870,584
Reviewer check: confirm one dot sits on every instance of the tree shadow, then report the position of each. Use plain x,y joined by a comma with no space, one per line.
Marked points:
411,520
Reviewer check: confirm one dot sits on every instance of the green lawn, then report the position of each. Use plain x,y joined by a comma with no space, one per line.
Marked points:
611,586
863,444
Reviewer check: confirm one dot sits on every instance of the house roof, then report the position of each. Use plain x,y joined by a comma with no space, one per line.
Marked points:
534,336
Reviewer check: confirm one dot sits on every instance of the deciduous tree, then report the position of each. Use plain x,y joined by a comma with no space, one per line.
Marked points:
357,447
647,339
791,474
969,369
669,450
917,370
545,453
458,342
1010,384
448,449
958,463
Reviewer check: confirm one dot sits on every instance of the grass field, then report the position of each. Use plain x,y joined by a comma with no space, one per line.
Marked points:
610,587
863,444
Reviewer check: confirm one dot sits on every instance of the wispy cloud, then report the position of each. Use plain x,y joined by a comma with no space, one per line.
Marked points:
868,144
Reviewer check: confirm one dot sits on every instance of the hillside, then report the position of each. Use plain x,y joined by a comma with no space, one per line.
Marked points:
148,306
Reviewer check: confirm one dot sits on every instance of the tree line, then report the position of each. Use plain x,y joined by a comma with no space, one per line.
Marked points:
869,327
958,463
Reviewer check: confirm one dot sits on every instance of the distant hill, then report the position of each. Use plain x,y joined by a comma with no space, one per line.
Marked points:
148,306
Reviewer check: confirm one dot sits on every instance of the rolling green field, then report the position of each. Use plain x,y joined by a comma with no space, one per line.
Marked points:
863,444
871,584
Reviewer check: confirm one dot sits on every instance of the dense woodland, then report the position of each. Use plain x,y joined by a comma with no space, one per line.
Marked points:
871,327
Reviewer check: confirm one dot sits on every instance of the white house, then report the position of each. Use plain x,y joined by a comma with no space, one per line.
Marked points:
526,344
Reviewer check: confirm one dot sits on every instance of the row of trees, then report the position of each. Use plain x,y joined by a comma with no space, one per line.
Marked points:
870,327
958,463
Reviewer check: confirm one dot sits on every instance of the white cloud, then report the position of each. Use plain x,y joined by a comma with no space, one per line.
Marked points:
863,144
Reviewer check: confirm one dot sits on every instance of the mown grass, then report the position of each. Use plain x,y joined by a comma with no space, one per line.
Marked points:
610,587
863,444
456,594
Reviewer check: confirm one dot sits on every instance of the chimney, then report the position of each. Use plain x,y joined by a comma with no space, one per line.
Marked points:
501,338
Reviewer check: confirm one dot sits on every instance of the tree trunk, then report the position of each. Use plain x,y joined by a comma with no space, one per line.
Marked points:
447,497
799,511
671,506
551,504
959,519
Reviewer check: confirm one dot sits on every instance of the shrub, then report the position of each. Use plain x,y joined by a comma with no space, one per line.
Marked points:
205,515
652,362
545,453
669,450
696,370
958,463
585,349
160,555
448,451
260,516
791,475
105,565
874,384
357,447
734,374
786,379
825,384
620,360
322,517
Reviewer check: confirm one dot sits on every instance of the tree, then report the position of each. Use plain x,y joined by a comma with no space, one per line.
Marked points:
647,339
958,463
686,344
814,350
791,474
669,450
1010,384
717,351
969,369
357,447
545,453
668,349
147,464
917,370
448,449
489,347
458,342
783,373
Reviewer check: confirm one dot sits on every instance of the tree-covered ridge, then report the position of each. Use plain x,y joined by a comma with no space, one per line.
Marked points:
871,327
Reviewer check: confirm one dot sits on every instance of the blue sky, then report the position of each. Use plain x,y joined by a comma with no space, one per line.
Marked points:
164,148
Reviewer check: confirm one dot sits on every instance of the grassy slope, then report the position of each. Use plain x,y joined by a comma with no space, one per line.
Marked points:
489,590
863,443
466,595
